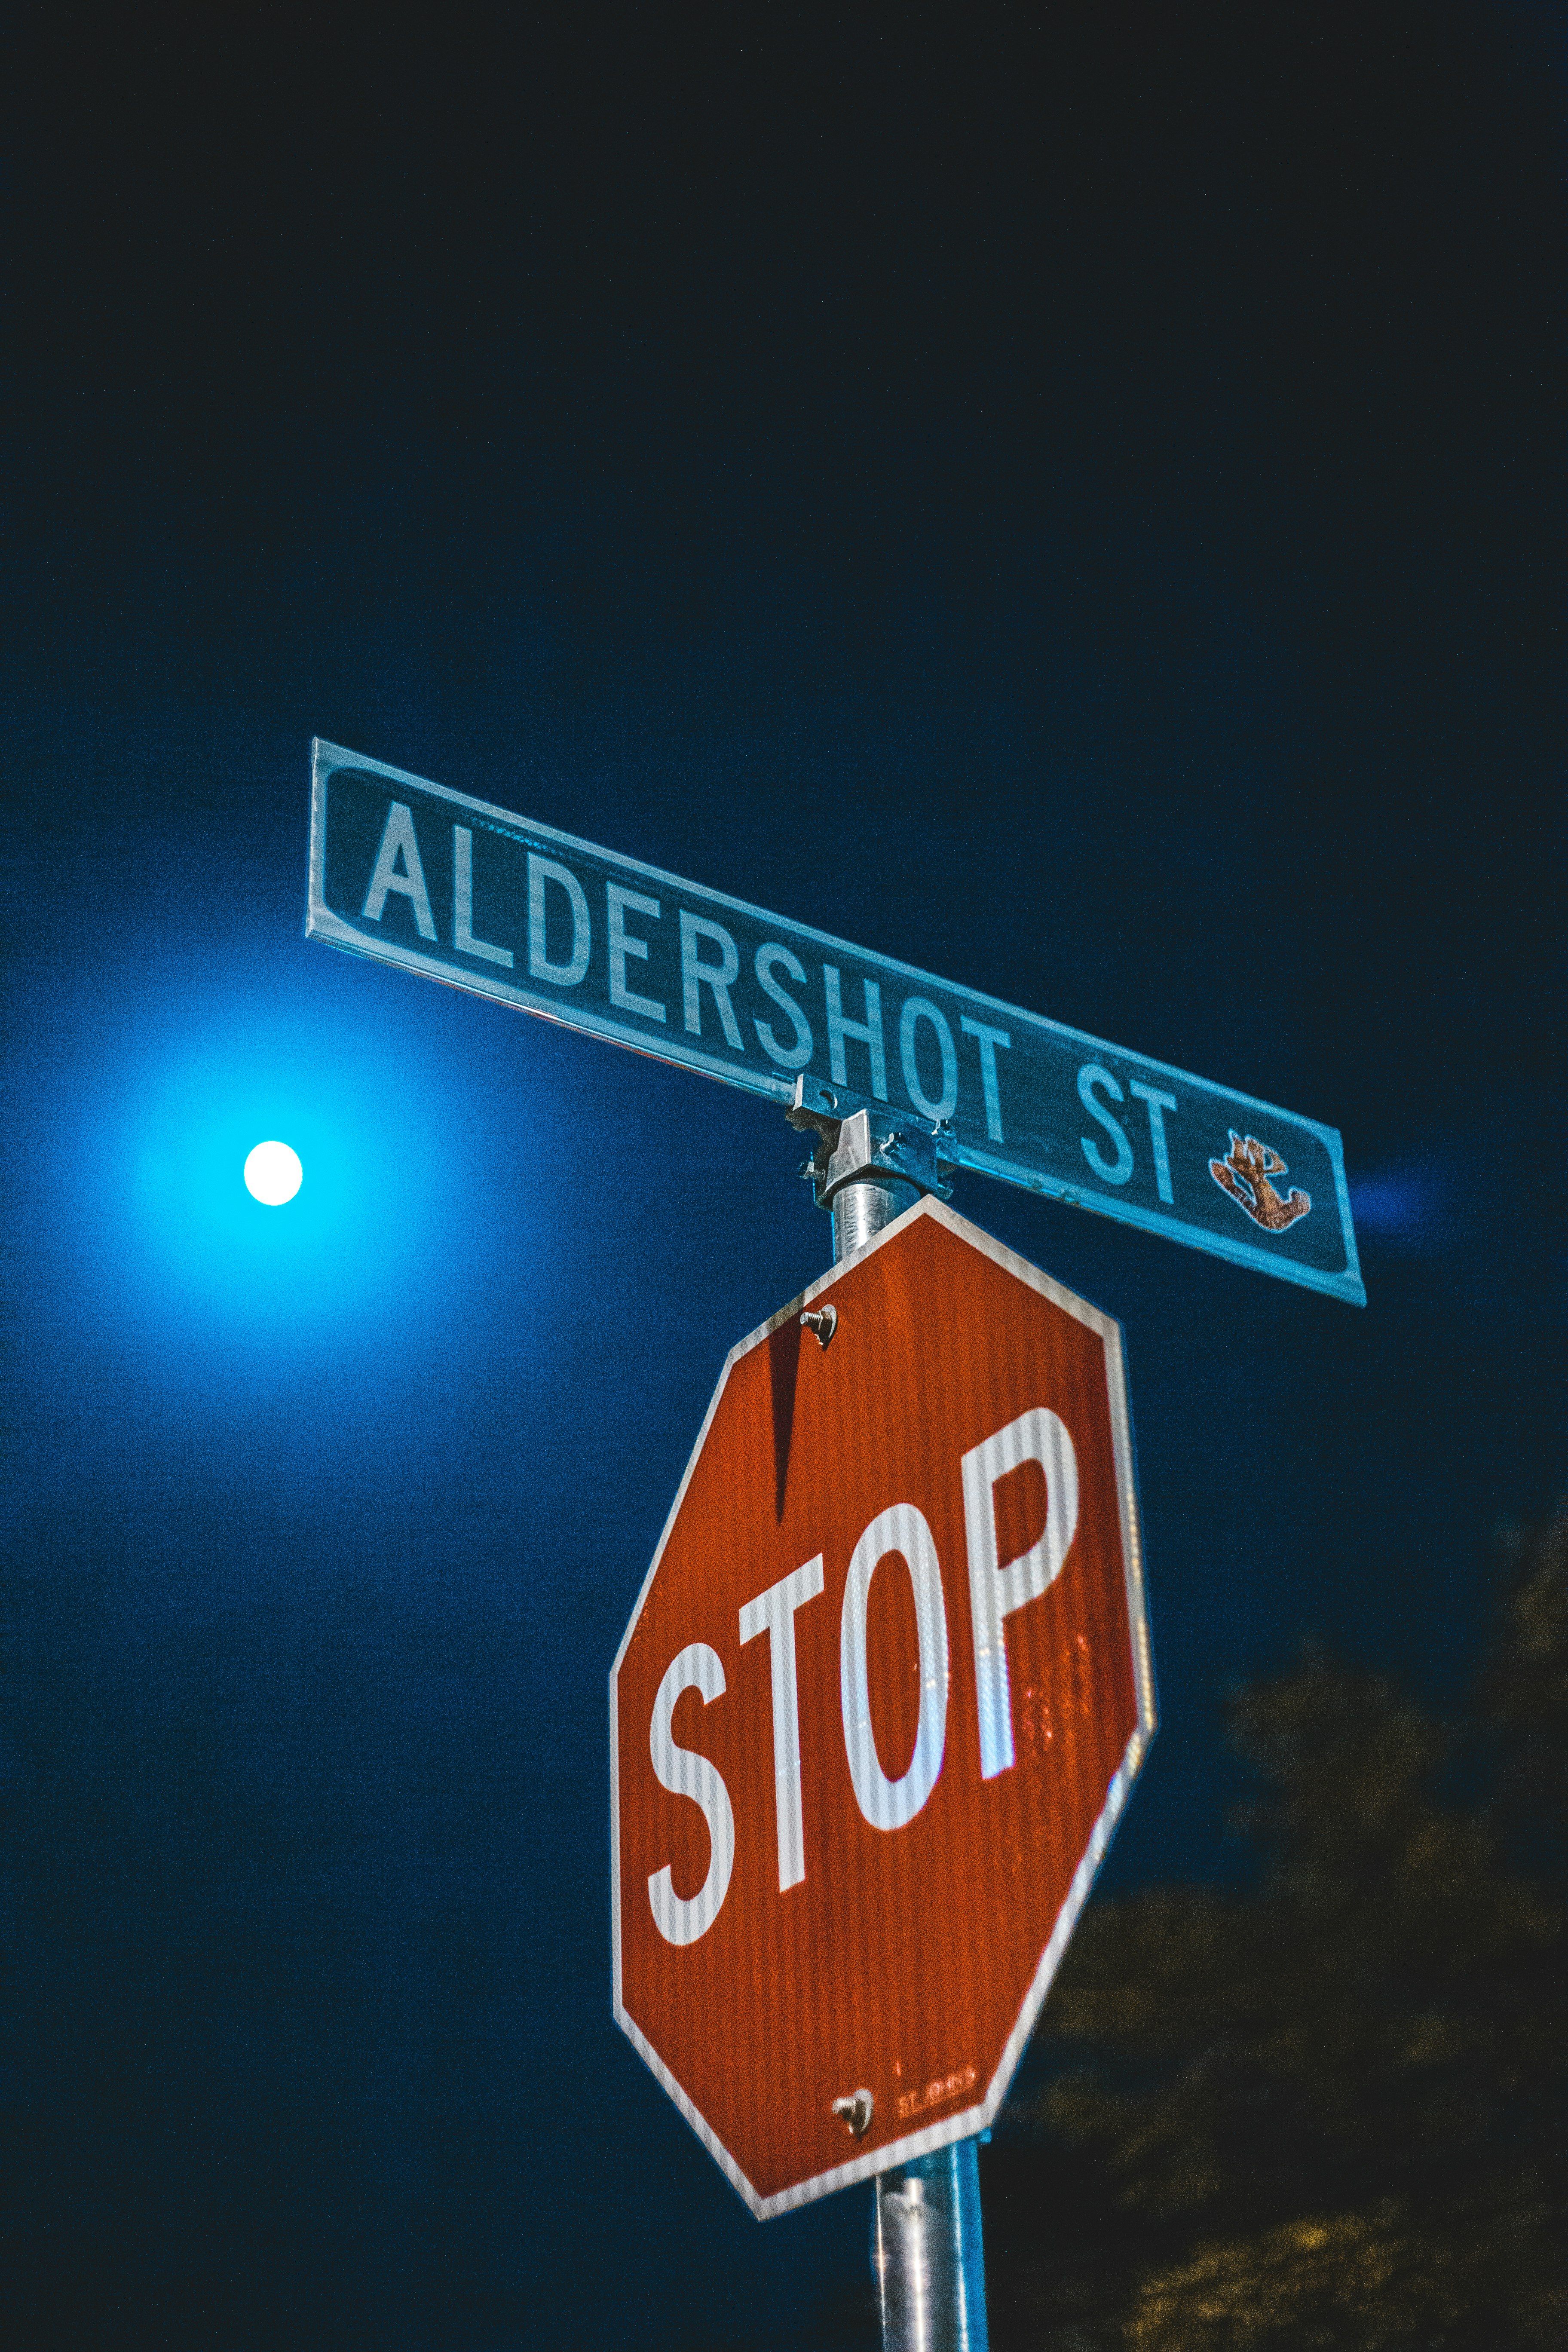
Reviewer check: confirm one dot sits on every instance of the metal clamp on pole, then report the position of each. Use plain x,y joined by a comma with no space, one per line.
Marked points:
870,1164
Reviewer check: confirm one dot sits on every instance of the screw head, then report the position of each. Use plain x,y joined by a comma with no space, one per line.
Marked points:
855,2112
824,1324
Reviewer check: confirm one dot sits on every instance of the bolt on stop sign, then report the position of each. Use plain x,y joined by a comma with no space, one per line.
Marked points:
877,1710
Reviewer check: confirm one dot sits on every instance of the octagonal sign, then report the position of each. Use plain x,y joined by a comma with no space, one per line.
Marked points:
877,1710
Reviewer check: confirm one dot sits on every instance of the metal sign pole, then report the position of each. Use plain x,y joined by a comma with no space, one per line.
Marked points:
927,2249
927,2255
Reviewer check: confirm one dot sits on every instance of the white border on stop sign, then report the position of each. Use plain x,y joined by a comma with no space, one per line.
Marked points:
979,2117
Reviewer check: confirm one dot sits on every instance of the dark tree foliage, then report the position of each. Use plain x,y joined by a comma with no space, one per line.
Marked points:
1328,2111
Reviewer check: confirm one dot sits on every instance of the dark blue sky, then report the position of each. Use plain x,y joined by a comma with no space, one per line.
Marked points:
1072,499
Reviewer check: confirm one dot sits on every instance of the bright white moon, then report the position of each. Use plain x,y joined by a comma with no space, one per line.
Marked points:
273,1175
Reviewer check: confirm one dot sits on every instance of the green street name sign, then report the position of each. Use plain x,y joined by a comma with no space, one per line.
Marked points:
440,883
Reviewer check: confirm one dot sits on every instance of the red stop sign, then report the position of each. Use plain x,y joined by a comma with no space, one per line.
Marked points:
877,1710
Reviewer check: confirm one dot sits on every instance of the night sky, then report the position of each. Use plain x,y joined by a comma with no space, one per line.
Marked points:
1069,498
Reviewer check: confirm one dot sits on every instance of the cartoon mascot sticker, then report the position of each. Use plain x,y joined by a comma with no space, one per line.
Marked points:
1243,1173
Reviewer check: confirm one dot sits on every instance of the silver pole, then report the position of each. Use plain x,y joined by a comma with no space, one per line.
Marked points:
927,2249
861,1210
928,2254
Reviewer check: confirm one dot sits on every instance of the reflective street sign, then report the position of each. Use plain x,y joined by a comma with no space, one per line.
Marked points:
877,1710
467,893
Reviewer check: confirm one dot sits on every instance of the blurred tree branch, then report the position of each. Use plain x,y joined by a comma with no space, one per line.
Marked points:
1329,2111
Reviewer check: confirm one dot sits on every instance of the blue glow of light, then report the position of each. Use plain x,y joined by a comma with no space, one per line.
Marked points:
1399,1206
369,1123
